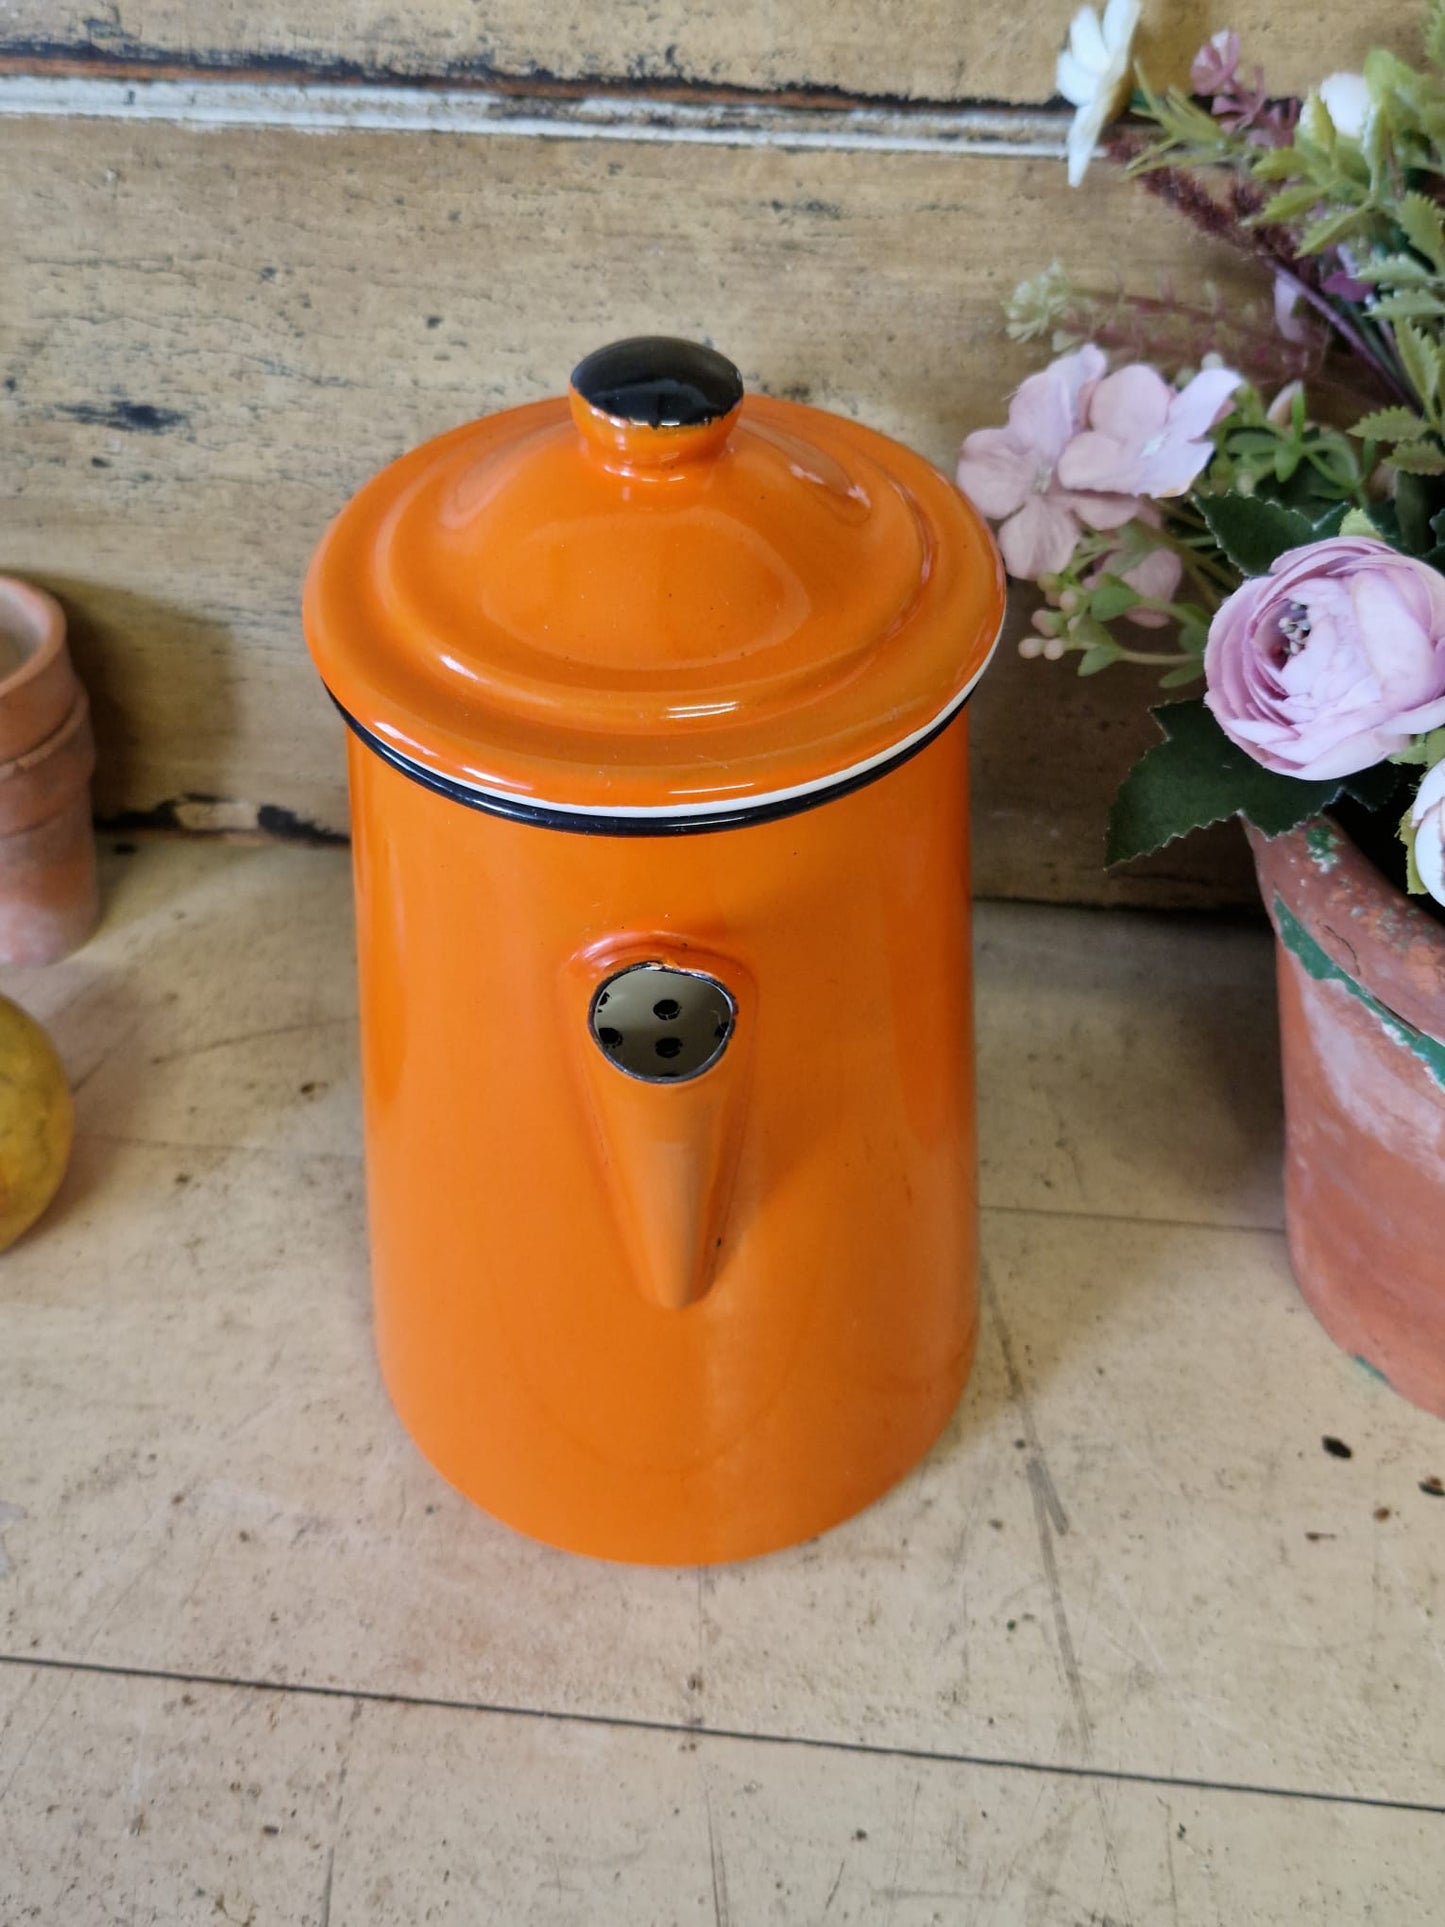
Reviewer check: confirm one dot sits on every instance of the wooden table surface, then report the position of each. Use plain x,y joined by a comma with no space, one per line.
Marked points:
1130,1647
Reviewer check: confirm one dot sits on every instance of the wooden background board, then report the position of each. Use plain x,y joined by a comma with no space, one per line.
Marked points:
217,336
210,334
935,50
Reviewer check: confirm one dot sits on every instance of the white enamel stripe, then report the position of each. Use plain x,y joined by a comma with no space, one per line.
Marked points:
318,107
756,801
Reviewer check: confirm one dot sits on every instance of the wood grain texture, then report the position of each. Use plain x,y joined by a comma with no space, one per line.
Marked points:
209,339
936,50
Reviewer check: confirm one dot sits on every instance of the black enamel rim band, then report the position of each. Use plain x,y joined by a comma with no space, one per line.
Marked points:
765,809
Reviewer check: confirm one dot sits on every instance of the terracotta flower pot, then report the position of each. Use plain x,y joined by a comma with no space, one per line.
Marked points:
48,899
1362,1023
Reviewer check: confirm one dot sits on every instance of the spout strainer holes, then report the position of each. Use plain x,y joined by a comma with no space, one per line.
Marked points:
663,1025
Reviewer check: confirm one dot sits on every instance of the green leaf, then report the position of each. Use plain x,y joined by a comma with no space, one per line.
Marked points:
1198,776
1329,229
1414,304
1386,520
1423,227
1330,523
1386,73
1413,509
1373,787
1357,522
1316,128
1099,655
1277,164
1414,882
1287,458
1435,33
1252,531
1425,751
1421,359
1390,425
1186,672
1251,441
1392,269
1111,598
1291,202
1184,118
1317,156
1419,458
1375,149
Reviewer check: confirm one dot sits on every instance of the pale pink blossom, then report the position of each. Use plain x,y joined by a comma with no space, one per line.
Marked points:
1332,661
1011,473
1216,63
1144,437
1156,574
1427,820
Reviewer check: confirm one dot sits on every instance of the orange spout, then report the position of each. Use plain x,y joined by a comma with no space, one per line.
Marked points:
665,1075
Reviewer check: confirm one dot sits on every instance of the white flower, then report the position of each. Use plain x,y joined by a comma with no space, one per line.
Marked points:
1427,820
1348,100
1093,74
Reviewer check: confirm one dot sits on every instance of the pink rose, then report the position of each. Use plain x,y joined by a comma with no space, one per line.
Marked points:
1332,661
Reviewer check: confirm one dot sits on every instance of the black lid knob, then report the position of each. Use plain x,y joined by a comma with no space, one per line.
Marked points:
658,381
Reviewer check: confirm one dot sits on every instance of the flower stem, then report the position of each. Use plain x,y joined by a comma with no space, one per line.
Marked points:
1371,355
1151,659
1213,578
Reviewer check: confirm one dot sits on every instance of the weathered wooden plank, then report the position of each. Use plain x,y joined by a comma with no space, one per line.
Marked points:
891,49
210,338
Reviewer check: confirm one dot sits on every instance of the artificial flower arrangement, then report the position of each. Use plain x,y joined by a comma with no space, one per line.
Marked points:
1255,497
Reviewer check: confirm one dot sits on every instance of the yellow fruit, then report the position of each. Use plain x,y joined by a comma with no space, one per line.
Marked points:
37,1121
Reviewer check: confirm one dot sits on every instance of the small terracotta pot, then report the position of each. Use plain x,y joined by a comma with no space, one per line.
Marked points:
1362,1030
49,904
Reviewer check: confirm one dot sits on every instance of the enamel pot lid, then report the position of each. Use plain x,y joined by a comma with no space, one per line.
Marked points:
656,604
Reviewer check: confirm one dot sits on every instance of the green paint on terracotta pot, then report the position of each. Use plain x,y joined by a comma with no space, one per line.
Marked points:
1324,845
1322,967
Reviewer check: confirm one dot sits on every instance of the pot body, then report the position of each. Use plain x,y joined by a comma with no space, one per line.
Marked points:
49,901
671,1323
1362,1020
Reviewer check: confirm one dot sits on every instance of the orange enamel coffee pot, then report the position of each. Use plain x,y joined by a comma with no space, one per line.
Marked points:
658,782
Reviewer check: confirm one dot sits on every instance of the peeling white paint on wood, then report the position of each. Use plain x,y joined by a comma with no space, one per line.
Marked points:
878,50
317,109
